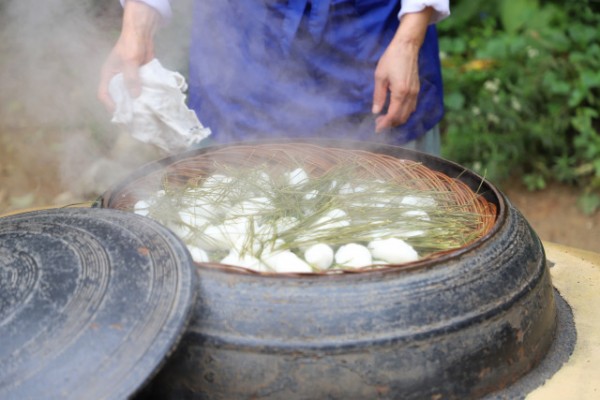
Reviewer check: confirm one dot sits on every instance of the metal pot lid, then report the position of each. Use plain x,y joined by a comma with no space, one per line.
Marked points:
91,302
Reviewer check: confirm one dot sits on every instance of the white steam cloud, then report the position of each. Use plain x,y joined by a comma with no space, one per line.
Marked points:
51,53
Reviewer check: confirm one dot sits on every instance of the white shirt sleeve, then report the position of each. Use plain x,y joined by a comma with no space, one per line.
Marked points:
441,8
162,6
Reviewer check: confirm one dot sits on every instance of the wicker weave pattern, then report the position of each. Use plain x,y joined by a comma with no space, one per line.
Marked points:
315,160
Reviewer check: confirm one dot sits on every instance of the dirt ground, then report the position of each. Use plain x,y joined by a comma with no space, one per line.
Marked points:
52,168
554,215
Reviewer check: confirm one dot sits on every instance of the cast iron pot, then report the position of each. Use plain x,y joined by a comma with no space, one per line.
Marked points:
460,325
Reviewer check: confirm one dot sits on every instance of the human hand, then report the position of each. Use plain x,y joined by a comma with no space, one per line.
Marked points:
134,48
397,72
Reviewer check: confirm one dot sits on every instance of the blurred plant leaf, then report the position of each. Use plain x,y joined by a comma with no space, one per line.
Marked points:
516,14
534,182
454,101
589,203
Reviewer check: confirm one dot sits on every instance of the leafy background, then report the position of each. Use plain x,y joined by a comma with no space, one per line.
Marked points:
522,87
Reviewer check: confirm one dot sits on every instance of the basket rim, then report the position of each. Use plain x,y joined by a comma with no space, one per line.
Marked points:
491,194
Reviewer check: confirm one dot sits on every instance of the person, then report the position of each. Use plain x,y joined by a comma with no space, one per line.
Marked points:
356,69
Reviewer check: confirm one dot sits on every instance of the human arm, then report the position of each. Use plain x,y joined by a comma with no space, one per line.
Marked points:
135,47
397,72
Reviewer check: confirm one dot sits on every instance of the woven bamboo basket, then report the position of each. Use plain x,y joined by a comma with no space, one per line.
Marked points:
316,160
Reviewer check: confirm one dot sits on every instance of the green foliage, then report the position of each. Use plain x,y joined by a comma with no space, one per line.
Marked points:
522,82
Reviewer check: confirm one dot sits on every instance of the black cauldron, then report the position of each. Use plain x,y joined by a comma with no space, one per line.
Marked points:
460,325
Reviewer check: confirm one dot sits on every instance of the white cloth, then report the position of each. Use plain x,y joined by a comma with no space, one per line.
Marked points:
441,8
159,115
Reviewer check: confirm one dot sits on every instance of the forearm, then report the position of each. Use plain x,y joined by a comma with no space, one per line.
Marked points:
412,29
139,21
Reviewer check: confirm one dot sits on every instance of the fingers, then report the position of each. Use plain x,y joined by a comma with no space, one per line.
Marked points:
131,77
129,67
400,109
403,94
107,101
103,93
380,93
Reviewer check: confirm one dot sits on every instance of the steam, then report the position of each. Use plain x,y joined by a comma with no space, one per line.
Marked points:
51,52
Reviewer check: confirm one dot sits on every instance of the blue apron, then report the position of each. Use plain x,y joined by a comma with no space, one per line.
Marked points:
300,68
